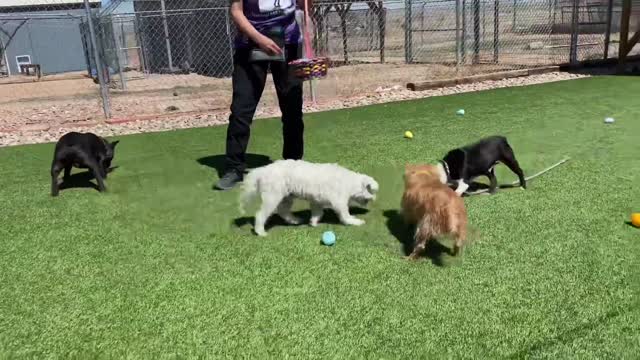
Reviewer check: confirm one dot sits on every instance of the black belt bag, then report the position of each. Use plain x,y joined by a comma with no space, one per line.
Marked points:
276,34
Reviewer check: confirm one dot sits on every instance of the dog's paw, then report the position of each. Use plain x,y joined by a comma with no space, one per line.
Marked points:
355,222
313,223
260,233
293,220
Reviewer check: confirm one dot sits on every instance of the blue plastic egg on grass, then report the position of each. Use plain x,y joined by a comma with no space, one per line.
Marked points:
328,238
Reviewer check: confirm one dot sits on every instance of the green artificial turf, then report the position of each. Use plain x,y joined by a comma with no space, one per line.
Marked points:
162,266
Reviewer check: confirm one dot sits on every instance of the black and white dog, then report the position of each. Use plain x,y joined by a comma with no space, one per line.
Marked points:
463,164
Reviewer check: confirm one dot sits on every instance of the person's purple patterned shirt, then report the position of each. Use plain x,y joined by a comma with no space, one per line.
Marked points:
265,14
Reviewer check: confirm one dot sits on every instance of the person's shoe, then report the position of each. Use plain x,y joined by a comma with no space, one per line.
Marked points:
229,180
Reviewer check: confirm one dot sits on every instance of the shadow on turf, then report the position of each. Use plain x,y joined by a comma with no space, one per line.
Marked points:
329,218
434,251
608,69
218,162
570,335
82,180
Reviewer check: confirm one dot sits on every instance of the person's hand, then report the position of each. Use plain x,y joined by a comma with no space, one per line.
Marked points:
268,46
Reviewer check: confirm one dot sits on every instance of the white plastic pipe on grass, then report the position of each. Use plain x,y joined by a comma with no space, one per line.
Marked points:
528,177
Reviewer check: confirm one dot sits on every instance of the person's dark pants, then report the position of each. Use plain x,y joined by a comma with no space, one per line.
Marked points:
249,79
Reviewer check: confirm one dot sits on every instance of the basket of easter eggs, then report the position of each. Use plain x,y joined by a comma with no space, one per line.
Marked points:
308,69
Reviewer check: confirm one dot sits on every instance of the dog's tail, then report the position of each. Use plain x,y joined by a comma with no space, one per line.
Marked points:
250,190
473,235
462,233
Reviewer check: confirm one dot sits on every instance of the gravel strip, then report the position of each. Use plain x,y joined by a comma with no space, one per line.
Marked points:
41,133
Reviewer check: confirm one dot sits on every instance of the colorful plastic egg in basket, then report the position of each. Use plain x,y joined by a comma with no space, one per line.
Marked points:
307,69
310,67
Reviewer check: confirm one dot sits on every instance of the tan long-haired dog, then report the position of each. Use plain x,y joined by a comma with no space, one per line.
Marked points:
433,207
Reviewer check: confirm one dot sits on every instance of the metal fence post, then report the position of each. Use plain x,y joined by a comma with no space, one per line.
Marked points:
382,21
458,45
607,35
515,7
119,44
408,32
167,39
573,53
104,91
463,40
496,30
476,31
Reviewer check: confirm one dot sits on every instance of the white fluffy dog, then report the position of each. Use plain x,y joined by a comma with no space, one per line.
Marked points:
323,185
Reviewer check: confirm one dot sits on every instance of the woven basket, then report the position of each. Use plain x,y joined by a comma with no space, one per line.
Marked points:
307,69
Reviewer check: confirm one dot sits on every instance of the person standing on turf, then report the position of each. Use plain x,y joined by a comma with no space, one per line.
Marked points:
268,38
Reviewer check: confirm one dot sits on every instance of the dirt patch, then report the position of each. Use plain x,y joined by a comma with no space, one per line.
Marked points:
359,87
74,98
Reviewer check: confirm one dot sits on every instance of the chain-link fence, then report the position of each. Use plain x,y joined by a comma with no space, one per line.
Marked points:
61,61
179,38
509,34
43,64
167,56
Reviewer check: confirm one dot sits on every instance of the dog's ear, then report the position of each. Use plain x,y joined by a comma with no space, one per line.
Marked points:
370,189
455,158
113,144
371,186
408,169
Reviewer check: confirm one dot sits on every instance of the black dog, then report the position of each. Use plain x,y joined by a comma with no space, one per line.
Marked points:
464,164
84,151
